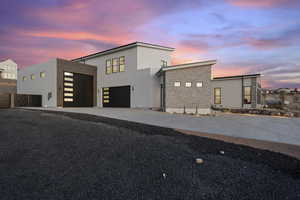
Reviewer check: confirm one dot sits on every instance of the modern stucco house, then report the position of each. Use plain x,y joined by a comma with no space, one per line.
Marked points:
136,75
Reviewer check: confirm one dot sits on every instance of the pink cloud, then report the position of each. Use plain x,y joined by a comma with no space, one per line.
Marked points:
262,3
80,36
265,44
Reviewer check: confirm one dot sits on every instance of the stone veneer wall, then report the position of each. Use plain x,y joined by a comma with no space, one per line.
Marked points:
184,99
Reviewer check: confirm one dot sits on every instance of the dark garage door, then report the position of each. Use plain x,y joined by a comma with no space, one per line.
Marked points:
4,100
116,97
78,90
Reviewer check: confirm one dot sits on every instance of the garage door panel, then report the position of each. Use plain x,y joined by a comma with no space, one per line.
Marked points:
78,90
4,100
116,97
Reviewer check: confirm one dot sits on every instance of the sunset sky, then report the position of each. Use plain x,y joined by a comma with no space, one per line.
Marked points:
245,36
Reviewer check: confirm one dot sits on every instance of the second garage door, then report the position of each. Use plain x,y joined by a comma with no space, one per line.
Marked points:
78,90
116,97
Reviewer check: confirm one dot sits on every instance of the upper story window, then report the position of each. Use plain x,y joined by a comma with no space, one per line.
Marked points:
24,78
122,63
217,95
115,67
164,63
247,95
32,76
108,66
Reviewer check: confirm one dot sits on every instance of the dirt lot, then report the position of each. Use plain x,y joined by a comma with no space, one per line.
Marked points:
77,156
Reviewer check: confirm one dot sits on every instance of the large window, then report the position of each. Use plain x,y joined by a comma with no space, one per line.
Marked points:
247,95
217,95
108,66
122,63
115,65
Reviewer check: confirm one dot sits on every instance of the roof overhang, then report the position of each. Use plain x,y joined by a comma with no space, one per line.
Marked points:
124,47
187,65
237,77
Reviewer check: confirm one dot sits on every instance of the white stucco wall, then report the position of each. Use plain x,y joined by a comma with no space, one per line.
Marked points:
231,93
141,64
9,69
40,86
150,58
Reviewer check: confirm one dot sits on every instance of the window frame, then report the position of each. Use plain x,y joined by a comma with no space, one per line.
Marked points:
199,82
217,96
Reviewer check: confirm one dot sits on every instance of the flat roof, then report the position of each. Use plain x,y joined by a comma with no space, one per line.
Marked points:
119,48
236,77
186,65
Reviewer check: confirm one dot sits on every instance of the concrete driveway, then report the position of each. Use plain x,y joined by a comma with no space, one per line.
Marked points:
275,129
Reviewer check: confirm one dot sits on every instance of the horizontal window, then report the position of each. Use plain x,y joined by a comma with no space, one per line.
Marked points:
106,93
68,94
106,101
68,99
199,84
188,84
105,89
177,84
68,84
68,74
105,97
42,74
69,89
68,79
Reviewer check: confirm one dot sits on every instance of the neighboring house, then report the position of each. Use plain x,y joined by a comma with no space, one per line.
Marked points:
282,98
237,91
9,69
58,81
8,86
137,75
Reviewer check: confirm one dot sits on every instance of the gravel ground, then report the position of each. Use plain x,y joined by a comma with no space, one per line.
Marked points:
46,155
